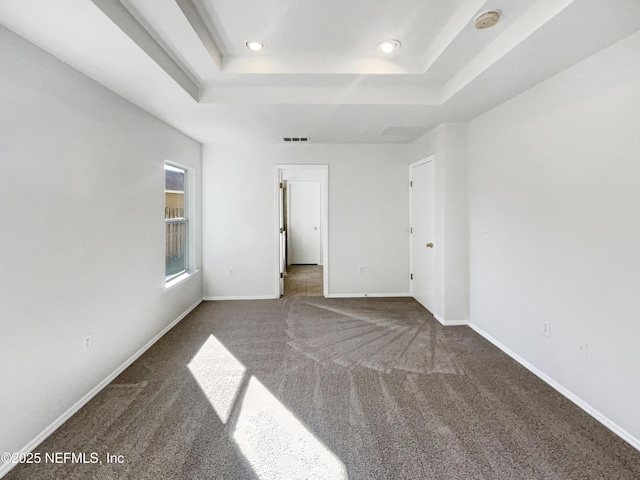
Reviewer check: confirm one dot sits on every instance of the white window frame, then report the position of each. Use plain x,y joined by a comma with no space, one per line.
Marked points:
170,279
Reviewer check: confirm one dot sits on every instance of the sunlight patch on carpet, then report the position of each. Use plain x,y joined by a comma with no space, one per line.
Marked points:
276,444
219,375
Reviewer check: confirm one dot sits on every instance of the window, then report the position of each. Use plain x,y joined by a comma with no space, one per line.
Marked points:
176,222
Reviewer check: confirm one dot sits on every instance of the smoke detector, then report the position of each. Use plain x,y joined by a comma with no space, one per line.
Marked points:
487,19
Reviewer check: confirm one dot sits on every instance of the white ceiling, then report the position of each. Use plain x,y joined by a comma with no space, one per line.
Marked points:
320,74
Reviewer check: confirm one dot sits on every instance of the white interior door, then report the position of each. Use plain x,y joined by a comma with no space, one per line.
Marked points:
304,222
423,232
282,233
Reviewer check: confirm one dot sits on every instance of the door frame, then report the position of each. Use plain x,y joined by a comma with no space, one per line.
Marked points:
430,158
324,221
281,242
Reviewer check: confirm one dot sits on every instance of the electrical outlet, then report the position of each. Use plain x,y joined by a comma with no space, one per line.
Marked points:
485,234
582,349
231,272
546,329
86,343
361,270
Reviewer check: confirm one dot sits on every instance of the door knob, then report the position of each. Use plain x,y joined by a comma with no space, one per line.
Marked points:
429,245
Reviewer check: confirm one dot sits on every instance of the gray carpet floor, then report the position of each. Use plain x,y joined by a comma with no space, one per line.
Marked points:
308,387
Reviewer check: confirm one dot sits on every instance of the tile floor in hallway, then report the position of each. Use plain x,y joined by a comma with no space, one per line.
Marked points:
303,280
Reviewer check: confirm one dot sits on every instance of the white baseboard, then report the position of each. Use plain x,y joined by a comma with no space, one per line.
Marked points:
241,297
363,295
611,425
450,323
6,467
333,295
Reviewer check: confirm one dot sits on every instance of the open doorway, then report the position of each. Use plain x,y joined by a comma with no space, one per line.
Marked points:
303,281
302,196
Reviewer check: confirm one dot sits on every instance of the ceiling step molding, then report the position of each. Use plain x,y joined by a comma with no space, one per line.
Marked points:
127,22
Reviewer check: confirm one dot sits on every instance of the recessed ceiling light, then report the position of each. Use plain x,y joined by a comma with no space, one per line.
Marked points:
255,46
388,46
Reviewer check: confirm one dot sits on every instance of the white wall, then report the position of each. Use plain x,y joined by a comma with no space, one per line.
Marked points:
368,217
82,236
554,179
448,144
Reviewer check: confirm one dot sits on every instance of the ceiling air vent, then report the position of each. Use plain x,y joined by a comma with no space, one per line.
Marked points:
295,139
